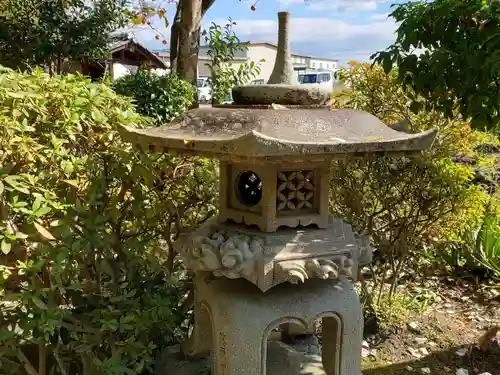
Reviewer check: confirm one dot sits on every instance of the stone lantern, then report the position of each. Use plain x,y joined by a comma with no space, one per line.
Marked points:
274,254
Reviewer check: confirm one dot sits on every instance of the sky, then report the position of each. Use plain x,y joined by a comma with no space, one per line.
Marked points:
340,29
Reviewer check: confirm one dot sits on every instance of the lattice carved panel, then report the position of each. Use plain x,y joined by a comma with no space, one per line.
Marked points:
295,190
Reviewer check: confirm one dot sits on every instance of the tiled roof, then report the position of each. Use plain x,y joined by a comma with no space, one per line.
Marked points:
122,39
260,43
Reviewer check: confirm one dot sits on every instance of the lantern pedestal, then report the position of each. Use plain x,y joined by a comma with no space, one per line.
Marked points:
235,313
234,319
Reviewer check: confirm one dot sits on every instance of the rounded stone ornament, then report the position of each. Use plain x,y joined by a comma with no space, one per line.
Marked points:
280,94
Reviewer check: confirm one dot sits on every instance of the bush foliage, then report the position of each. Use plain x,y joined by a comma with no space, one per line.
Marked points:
410,205
86,284
446,51
60,32
223,47
161,97
89,283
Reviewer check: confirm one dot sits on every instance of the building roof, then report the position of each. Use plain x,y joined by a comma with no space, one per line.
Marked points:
123,40
165,54
272,45
256,43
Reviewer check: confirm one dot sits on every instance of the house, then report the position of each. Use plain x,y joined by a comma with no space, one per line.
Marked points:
267,51
256,52
127,54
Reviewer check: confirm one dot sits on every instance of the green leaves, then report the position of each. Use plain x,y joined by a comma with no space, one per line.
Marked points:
67,166
86,219
43,232
160,97
447,52
17,183
53,27
38,303
6,246
223,46
487,245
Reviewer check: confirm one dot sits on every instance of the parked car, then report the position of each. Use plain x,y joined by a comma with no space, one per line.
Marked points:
325,79
204,91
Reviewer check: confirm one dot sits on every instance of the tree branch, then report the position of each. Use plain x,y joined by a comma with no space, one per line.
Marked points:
26,363
59,361
205,5
42,356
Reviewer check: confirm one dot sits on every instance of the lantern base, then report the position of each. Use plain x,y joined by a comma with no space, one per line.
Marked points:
234,319
282,359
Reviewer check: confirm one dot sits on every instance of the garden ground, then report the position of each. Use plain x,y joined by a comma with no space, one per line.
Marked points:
442,340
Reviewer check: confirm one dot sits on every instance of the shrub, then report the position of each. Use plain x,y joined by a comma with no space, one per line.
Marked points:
483,246
223,46
161,97
85,282
410,206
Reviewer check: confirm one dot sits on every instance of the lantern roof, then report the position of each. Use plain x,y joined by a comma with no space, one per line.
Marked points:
276,131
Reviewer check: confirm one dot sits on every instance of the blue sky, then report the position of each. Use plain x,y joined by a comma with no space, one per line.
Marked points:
343,29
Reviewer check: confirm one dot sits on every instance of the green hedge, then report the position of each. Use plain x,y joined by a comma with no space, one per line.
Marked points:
86,268
88,280
413,207
161,97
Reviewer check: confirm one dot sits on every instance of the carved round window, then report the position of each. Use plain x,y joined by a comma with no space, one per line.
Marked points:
249,188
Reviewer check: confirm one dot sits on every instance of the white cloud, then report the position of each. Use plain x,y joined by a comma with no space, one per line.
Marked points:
291,2
338,6
321,37
324,37
379,16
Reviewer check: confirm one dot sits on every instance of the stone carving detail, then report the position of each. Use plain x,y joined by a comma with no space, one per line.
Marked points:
295,190
295,271
232,255
269,259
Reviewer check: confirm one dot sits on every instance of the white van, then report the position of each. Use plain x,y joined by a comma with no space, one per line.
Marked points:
204,91
324,79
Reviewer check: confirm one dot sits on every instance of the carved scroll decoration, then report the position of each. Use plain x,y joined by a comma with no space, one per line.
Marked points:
295,271
232,255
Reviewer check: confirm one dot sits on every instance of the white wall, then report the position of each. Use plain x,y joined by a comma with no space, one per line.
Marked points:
299,60
119,70
323,64
258,52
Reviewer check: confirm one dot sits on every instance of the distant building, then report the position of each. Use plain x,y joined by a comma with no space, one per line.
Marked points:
127,54
256,52
265,50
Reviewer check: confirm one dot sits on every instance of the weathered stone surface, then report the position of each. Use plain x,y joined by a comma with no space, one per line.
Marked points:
267,133
234,319
269,259
282,359
275,145
283,71
281,94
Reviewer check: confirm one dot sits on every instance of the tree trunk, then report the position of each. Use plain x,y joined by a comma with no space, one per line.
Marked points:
60,65
206,4
187,63
174,37
186,40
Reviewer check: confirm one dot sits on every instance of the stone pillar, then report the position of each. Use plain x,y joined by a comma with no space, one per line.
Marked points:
283,72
